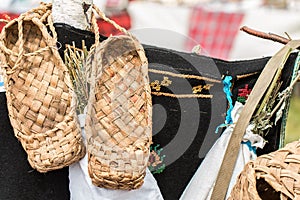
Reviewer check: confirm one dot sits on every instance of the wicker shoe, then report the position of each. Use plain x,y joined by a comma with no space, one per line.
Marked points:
40,96
119,114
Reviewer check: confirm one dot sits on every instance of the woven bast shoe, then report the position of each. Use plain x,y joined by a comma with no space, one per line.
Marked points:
40,96
270,176
119,114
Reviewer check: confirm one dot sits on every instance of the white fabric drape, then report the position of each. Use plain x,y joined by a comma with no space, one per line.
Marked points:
81,187
202,183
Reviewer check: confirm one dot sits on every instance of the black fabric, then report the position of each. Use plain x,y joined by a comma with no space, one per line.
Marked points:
18,181
173,180
183,127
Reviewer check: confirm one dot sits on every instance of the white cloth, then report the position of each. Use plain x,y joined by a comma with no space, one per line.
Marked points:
81,187
150,20
201,185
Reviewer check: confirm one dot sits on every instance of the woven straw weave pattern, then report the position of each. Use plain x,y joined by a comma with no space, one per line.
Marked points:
119,116
40,97
280,169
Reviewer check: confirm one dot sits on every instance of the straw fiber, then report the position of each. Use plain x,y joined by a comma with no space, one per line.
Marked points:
119,116
40,97
275,174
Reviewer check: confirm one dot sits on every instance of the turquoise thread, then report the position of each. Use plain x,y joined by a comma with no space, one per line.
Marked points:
221,126
227,90
251,148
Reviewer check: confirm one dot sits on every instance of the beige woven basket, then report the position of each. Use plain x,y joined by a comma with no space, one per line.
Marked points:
40,97
271,176
119,113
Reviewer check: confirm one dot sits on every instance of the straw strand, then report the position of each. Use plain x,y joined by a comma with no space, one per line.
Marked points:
102,16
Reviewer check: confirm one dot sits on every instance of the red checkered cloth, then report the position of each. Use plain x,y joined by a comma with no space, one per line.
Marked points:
122,18
215,31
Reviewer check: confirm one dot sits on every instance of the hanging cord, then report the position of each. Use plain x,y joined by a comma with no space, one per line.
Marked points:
106,19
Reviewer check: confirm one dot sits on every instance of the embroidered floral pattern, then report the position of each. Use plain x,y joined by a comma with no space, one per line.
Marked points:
199,88
197,91
155,163
166,82
155,85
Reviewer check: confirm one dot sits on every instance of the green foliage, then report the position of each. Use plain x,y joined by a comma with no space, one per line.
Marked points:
293,120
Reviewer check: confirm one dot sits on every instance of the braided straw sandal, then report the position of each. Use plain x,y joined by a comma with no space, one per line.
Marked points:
119,112
276,173
40,96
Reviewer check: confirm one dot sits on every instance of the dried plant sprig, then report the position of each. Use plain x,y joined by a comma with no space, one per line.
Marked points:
273,84
261,121
272,102
74,58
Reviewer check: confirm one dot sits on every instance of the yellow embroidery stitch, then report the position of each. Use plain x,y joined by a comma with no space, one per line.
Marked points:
199,88
155,85
184,76
208,86
166,82
205,96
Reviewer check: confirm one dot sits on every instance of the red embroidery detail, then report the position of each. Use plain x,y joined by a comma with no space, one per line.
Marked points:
244,92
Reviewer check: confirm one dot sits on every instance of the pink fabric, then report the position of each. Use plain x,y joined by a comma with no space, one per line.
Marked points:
215,31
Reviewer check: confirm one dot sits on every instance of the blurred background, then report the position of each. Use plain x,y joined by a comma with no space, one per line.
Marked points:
212,24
